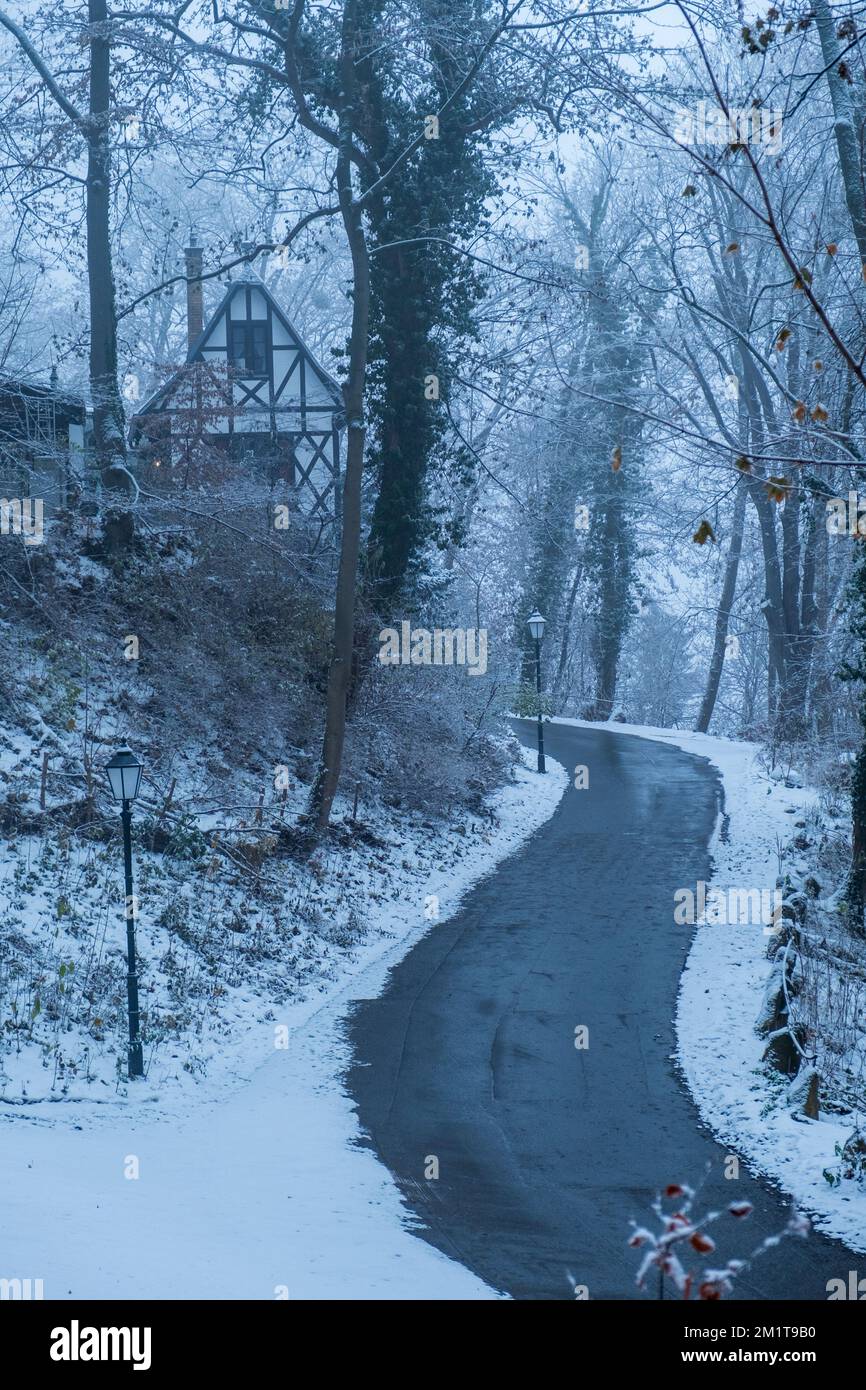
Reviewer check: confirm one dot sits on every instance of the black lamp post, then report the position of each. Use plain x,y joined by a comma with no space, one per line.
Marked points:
536,628
124,776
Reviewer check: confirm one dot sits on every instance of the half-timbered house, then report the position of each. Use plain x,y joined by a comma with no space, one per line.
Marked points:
251,391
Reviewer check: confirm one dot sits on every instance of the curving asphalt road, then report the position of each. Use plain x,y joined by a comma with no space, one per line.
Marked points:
545,1151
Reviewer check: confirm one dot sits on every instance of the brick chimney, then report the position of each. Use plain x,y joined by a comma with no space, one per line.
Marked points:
194,298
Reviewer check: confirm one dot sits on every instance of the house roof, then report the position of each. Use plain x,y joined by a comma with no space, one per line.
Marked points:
20,386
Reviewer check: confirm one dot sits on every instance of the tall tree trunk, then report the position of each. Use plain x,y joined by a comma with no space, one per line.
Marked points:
824,693
790,714
108,417
566,633
771,605
723,615
802,650
848,147
552,541
328,776
614,578
855,892
848,138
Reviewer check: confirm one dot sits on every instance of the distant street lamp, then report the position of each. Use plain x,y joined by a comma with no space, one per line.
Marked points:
124,776
536,627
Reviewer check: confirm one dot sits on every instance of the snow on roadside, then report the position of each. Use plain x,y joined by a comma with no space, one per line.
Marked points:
723,984
263,1193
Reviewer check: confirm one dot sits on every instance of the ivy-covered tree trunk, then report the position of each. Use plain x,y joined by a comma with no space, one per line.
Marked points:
855,893
610,552
422,291
856,890
611,545
552,549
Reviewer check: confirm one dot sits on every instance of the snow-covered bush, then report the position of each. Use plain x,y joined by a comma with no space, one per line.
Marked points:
681,1236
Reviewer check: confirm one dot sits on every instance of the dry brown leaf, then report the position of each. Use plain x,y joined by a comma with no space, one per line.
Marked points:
776,489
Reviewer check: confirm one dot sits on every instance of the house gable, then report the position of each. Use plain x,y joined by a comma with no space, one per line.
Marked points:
259,386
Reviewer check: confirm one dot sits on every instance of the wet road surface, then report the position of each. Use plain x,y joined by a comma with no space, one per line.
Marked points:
545,1150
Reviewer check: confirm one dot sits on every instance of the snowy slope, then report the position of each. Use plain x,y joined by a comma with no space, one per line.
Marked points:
265,1193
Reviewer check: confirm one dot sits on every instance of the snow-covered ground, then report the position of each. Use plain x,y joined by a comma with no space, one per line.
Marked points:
723,985
251,1183
263,1193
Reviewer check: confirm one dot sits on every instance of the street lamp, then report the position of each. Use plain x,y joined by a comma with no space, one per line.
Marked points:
536,627
124,777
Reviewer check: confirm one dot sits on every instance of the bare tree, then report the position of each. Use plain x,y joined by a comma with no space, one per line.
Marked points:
94,125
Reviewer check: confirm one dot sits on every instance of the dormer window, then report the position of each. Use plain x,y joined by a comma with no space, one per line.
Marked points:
248,347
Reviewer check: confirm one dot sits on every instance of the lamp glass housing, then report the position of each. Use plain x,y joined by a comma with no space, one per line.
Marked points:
124,775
